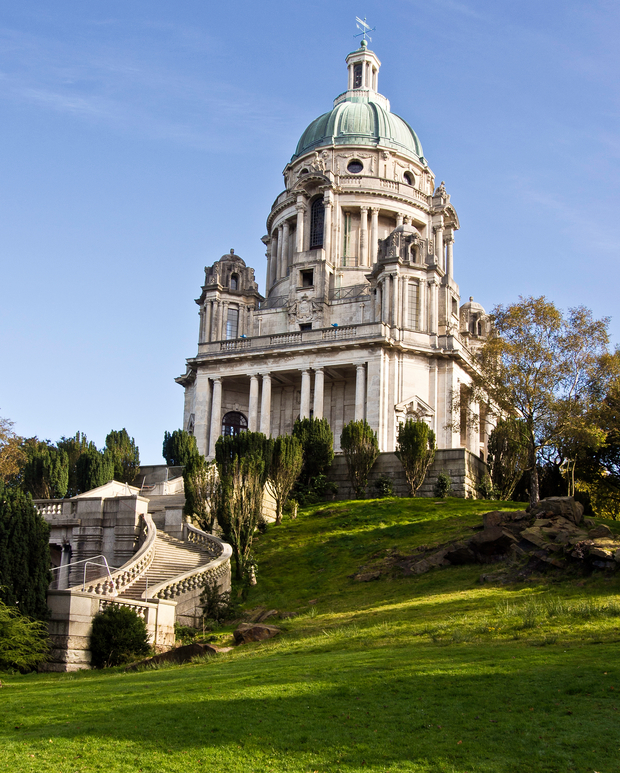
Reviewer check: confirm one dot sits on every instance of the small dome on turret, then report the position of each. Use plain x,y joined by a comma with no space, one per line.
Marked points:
472,306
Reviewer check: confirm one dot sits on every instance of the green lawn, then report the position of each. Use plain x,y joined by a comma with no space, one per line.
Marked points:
430,673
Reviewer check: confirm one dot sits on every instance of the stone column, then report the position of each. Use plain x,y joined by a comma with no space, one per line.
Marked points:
202,405
253,412
395,299
385,300
319,390
377,304
360,392
399,219
439,251
299,233
224,320
265,406
423,290
202,313
273,263
216,416
405,303
449,253
327,225
304,408
209,322
374,234
280,251
432,302
285,241
363,236
215,327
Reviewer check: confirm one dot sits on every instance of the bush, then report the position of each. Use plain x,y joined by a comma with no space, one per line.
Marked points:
384,486
443,485
119,636
216,604
317,442
361,448
23,642
316,491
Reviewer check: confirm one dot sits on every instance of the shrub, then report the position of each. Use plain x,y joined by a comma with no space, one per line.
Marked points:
384,486
119,635
23,642
317,442
415,447
361,448
443,485
216,604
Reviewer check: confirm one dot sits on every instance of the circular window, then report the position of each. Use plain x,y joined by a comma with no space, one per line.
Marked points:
355,166
409,179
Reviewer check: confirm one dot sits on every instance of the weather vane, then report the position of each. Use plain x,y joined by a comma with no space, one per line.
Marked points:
365,29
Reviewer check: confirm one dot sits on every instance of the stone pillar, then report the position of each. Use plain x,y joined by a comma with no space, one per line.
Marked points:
202,406
299,233
216,416
439,251
395,299
360,392
385,300
405,303
209,321
202,313
374,234
319,390
399,219
363,236
273,263
304,408
253,412
280,251
265,406
285,243
377,303
449,254
327,225
432,302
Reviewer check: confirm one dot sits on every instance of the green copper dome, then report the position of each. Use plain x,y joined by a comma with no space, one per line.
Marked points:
360,120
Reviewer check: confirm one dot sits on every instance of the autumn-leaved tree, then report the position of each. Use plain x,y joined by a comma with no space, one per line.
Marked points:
541,365
285,467
415,447
12,456
361,448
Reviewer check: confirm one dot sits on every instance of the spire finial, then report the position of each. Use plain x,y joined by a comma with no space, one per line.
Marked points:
365,29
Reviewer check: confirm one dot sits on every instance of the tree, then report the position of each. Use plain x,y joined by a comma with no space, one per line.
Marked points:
12,455
286,463
74,446
94,468
361,448
317,443
46,472
24,554
541,366
125,455
200,480
23,642
179,448
508,456
118,636
415,447
242,463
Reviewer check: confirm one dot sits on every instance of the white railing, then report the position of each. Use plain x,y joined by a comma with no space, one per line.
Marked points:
335,333
212,545
235,343
49,508
284,338
131,572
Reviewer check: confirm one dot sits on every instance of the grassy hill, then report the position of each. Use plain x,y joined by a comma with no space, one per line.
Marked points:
402,673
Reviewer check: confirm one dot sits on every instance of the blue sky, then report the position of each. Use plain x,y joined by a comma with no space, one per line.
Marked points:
140,141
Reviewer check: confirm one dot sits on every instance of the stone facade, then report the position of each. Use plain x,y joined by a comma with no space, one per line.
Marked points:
361,317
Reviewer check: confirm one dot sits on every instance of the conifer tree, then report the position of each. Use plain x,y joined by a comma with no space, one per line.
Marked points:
361,448
94,468
74,446
415,447
46,472
24,554
317,442
179,448
286,462
125,455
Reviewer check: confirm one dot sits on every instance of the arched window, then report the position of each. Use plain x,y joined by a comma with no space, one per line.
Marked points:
234,282
233,423
317,219
409,179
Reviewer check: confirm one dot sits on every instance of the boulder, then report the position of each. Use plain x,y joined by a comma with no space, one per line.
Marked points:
554,506
249,632
600,532
180,655
493,540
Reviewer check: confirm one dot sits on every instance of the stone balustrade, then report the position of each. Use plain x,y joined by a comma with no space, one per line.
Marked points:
127,575
195,580
207,542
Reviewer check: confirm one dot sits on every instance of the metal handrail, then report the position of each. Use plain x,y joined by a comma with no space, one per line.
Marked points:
86,562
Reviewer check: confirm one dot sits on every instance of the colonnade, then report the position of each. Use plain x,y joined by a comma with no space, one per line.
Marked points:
261,387
214,315
409,303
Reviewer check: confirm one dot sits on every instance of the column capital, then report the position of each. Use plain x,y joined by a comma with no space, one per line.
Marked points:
375,210
361,367
300,207
364,209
